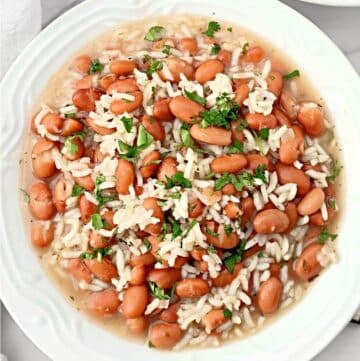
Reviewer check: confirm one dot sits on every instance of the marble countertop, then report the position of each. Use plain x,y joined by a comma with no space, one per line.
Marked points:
342,25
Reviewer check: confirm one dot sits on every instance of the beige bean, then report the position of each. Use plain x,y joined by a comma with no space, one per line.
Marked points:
268,296
86,182
225,277
170,314
105,81
247,207
137,325
241,93
275,82
312,119
78,150
222,240
53,123
307,266
40,201
120,106
96,240
288,104
231,163
42,235
258,121
196,208
176,67
253,55
224,56
103,303
146,259
84,99
192,287
255,160
189,45
213,319
125,176
164,278
211,195
71,126
281,116
232,210
292,213
138,275
237,133
208,70
167,168
311,202
154,127
79,271
211,135
43,163
161,110
87,209
135,301
165,335
229,189
123,86
289,151
122,67
271,221
150,164
81,64
98,128
289,174
151,204
105,270
185,109
61,193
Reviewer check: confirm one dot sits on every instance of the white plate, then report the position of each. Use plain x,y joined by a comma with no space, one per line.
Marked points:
334,2
33,301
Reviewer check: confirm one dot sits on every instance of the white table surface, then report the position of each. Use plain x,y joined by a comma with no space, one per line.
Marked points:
342,25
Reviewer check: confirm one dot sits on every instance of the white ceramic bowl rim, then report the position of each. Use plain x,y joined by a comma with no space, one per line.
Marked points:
33,301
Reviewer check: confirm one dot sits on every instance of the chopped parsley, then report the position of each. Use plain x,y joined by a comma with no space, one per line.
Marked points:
215,49
335,171
175,228
291,75
260,137
195,97
241,180
97,253
332,204
228,229
99,194
260,254
175,195
243,124
210,232
25,195
95,67
245,48
229,29
187,139
177,179
236,147
212,28
211,249
77,191
325,235
70,115
260,172
236,257
96,221
224,111
209,176
154,66
264,133
155,33
71,147
227,313
157,292
147,244
150,344
190,227
128,123
166,49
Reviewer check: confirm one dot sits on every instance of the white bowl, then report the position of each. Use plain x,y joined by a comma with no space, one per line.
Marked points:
34,302
334,2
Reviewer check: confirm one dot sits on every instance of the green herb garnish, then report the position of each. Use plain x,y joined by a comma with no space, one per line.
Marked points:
177,179
335,171
243,124
195,97
291,75
227,313
212,28
325,235
71,147
236,147
211,249
70,115
157,292
175,228
96,221
210,232
155,33
236,257
245,48
147,244
215,49
264,133
332,204
100,197
95,67
228,229
128,123
166,49
150,344
190,227
77,191
229,29
25,195
154,66
97,253
260,172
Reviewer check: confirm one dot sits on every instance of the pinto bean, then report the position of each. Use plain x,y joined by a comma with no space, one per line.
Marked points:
241,93
86,182
79,271
98,128
81,64
288,104
138,275
170,314
208,70
274,269
223,240
289,174
87,209
52,123
185,109
123,86
146,259
104,302
311,202
316,219
137,325
84,83
229,189
43,163
167,168
211,195
40,201
84,99
164,278
225,277
289,151
292,213
105,81
258,121
154,127
41,234
275,82
120,106
254,55
122,67
125,176
281,117
268,296
198,253
150,164
77,151
312,119
177,66
211,135
97,240
135,301
231,163
237,133
192,287
224,56
151,204
61,193
232,210
189,45
247,207
271,221
98,156
196,208
105,270
108,217
307,266
255,160
71,126
161,110
213,319
165,335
